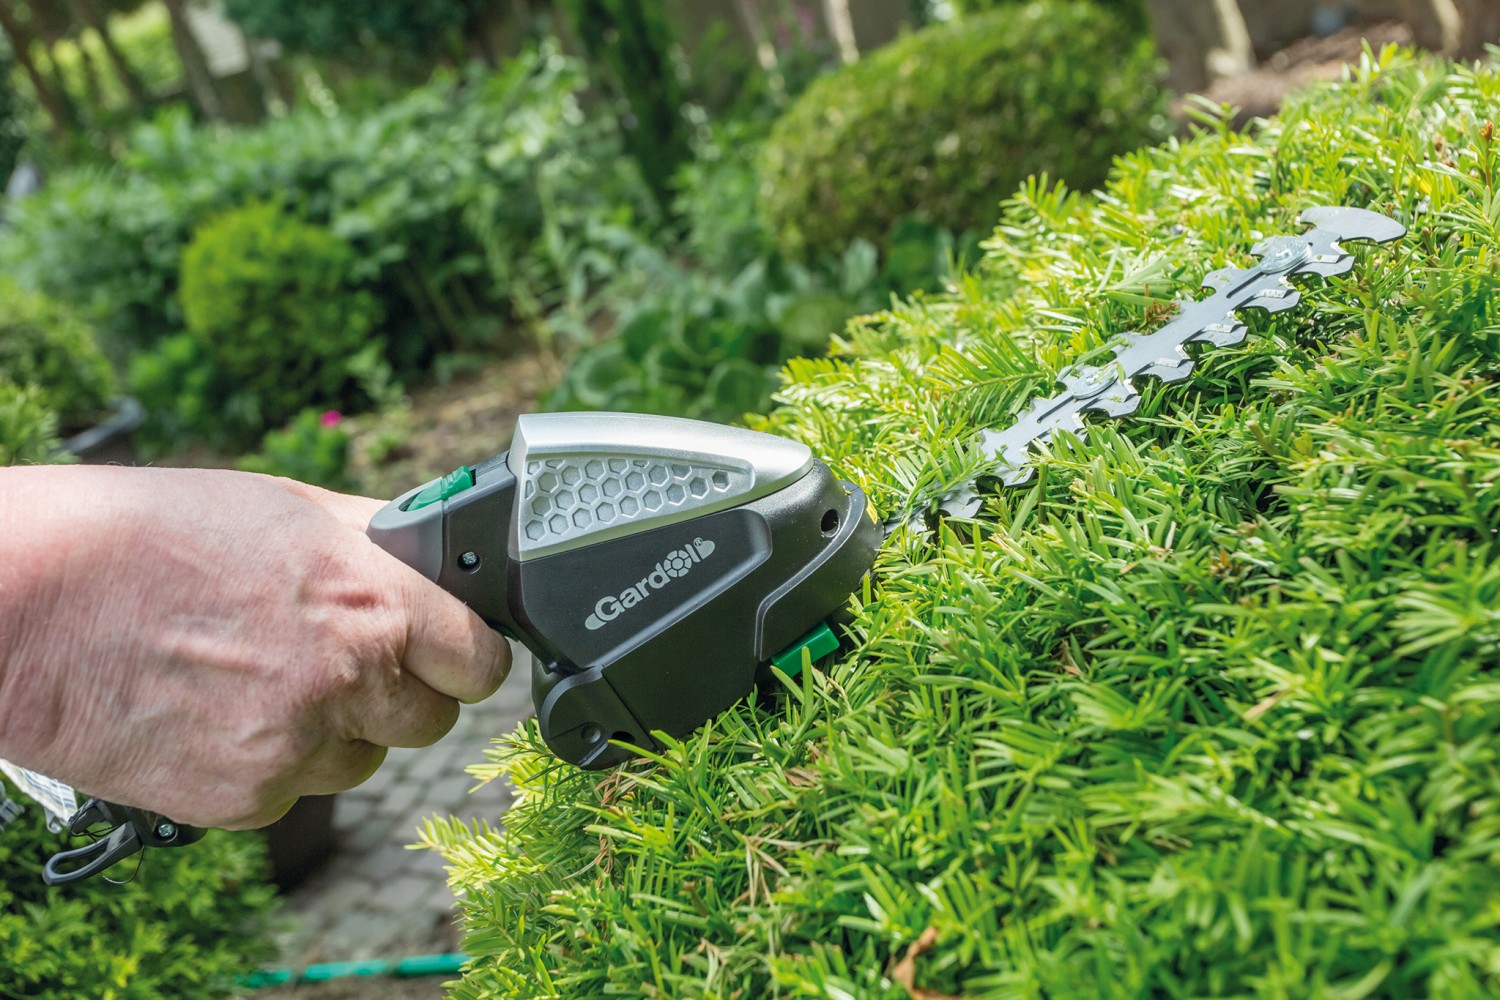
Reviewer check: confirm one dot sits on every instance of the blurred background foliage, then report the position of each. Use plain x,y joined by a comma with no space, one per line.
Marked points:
618,185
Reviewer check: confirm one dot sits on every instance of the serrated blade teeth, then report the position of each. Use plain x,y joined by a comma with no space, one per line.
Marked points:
1120,401
1328,268
1274,300
1223,334
1224,277
1109,388
1017,476
1170,372
964,503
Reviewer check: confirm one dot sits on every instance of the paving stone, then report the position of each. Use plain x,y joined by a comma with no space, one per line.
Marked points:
435,763
401,799
375,897
376,831
405,894
351,814
360,935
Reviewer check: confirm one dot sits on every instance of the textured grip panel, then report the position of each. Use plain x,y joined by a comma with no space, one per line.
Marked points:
589,477
569,497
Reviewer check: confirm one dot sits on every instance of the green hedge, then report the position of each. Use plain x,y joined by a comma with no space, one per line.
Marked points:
275,323
28,428
1210,709
465,202
46,344
188,924
947,121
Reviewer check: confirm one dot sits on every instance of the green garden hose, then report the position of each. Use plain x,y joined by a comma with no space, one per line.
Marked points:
402,968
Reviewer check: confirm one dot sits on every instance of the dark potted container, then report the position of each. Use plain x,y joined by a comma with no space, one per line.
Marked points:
112,440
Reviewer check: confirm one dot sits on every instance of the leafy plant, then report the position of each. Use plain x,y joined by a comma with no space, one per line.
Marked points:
1205,710
28,429
313,448
45,344
630,45
694,343
188,924
345,29
275,323
946,121
466,203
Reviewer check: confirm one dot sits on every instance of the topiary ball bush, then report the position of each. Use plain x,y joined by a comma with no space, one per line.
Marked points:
28,429
944,123
188,924
1211,708
45,344
275,317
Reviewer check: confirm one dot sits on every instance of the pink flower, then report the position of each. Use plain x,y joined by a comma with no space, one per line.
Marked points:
332,418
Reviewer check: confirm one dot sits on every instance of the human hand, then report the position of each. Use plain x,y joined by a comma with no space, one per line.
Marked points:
212,645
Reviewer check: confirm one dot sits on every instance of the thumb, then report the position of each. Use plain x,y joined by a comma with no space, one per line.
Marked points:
449,647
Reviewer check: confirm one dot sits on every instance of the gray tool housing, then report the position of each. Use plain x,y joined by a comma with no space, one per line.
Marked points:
652,565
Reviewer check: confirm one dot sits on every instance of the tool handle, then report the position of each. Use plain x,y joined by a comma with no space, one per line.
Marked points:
455,530
130,830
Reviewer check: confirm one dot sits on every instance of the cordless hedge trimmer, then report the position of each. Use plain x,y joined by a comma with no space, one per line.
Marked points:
657,567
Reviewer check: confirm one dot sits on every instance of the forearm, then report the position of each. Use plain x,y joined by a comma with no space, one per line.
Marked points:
47,542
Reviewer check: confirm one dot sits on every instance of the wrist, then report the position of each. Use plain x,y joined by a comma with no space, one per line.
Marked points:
43,530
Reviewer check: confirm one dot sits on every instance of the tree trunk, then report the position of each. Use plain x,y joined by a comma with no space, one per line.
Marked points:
1481,26
1435,24
57,105
878,22
765,51
90,73
1201,40
195,71
841,29
91,14
274,95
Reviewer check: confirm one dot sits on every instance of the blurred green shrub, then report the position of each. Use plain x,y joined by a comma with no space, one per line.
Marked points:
471,201
630,48
28,429
187,925
313,448
12,128
275,323
1132,10
945,122
46,344
707,344
347,30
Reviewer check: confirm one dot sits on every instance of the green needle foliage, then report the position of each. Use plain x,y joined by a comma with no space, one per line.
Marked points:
189,923
1209,709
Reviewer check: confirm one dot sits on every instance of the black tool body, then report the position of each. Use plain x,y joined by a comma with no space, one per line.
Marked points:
652,565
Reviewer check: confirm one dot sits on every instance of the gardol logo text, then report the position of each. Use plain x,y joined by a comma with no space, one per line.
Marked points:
676,564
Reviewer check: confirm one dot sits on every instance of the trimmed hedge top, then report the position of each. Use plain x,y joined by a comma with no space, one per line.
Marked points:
1210,709
944,123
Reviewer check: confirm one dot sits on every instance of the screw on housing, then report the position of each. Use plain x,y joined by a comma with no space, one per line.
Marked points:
1110,388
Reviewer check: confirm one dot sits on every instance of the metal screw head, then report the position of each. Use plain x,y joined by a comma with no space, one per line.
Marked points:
469,560
166,830
592,734
1282,253
1093,379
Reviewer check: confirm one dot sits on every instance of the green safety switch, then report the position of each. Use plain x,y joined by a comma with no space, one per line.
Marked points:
819,643
454,482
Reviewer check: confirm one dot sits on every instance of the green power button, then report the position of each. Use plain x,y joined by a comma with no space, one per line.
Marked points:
454,482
